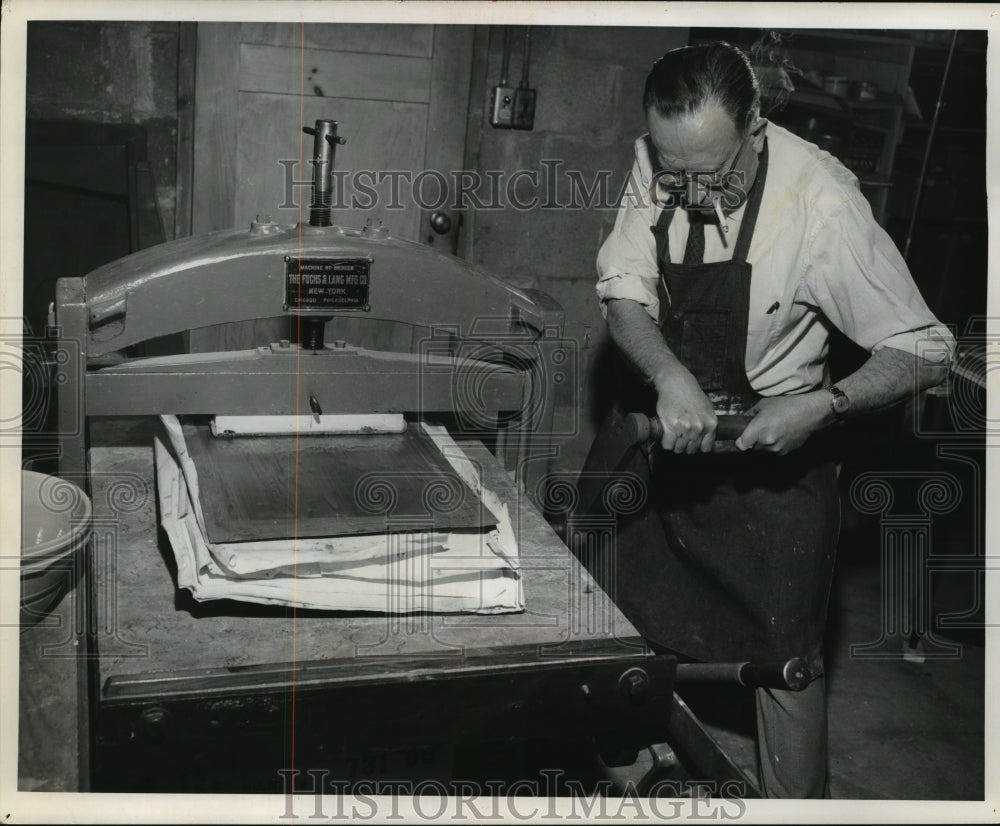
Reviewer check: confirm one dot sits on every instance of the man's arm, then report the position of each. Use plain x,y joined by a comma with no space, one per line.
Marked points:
783,423
686,413
860,283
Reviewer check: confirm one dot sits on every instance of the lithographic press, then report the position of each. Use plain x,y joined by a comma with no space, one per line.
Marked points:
209,696
223,695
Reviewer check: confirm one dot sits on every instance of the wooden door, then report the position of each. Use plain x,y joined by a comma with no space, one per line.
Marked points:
399,93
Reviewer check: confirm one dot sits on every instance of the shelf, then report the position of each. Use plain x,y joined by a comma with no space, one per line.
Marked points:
963,35
921,125
905,38
898,61
864,46
751,35
882,102
877,37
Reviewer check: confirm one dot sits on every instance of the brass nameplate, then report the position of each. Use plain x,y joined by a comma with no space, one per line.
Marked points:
327,284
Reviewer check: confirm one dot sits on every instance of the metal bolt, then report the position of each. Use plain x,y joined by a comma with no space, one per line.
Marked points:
663,756
154,722
634,684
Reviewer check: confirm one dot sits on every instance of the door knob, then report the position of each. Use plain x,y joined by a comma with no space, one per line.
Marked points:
441,223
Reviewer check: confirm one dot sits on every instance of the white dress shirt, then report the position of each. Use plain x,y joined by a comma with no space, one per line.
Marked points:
818,256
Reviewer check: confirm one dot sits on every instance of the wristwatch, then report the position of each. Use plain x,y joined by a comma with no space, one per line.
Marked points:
840,404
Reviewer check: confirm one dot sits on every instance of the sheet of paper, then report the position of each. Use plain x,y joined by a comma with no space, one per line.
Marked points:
468,570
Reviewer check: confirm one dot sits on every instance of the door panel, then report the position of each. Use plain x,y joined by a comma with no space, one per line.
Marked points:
413,40
400,95
289,71
261,175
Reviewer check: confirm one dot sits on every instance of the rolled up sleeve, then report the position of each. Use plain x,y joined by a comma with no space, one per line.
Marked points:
626,262
858,279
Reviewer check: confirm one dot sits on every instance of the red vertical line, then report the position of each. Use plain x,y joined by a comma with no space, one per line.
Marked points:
298,390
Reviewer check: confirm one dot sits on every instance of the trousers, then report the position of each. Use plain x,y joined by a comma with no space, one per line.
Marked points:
792,742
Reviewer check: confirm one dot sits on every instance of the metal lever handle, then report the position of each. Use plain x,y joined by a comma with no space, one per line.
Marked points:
334,140
792,675
640,428
315,408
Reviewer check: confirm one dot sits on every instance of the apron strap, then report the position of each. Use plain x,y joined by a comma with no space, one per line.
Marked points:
660,230
753,207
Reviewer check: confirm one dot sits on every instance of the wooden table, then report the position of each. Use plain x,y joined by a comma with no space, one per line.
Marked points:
49,758
171,668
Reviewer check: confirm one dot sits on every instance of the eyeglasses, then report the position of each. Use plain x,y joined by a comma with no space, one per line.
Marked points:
673,180
708,191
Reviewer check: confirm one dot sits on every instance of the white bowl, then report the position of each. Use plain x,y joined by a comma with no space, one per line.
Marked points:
56,520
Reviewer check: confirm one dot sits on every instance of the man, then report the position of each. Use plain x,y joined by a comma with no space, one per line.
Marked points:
720,289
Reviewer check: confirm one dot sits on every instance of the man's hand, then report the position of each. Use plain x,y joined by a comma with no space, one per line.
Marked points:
781,424
681,405
686,413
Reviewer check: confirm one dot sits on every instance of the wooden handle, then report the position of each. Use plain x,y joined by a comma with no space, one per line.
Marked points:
641,428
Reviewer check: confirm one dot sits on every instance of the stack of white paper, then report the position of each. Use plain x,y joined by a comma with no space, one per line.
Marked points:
472,571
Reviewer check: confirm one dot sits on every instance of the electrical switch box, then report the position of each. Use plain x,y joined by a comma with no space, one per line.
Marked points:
502,107
524,108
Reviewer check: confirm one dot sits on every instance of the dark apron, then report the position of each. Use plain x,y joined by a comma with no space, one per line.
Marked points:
734,557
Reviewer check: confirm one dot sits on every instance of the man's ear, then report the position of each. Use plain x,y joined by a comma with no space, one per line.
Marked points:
758,131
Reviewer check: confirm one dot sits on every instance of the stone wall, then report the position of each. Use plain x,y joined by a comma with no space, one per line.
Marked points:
589,82
111,72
